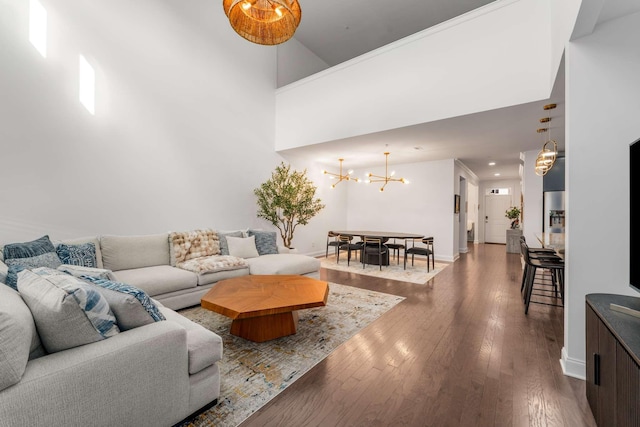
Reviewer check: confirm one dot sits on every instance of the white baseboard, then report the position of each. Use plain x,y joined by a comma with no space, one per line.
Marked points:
573,367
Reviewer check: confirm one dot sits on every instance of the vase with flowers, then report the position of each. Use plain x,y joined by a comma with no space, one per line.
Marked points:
513,213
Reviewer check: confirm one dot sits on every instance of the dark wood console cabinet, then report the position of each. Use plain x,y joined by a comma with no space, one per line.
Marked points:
613,365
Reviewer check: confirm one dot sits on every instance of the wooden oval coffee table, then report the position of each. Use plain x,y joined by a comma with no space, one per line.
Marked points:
264,307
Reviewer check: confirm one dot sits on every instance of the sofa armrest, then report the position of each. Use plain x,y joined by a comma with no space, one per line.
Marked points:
138,377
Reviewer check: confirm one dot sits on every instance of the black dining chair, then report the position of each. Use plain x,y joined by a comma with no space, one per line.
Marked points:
425,250
346,244
332,241
374,246
395,247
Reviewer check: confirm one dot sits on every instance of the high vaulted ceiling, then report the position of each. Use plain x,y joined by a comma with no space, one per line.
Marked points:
337,31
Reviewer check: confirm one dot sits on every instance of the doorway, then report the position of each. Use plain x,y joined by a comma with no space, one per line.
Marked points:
495,223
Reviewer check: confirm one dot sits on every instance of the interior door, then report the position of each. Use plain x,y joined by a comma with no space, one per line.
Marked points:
495,223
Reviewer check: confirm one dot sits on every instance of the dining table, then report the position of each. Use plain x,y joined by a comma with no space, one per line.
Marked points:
384,235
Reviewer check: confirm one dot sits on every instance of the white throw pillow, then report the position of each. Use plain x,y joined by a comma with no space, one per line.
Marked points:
242,247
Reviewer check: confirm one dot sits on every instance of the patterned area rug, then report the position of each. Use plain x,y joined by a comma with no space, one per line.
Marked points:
414,274
253,373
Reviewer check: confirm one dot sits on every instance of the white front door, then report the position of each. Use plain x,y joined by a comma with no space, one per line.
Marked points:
495,223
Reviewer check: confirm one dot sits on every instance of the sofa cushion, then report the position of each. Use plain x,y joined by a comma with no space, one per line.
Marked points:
242,247
188,245
283,264
266,241
204,347
81,240
222,236
30,249
67,312
212,264
83,254
18,336
132,306
159,279
127,252
208,278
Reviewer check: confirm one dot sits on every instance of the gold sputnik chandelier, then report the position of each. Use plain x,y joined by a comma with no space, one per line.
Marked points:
387,177
547,156
266,22
340,176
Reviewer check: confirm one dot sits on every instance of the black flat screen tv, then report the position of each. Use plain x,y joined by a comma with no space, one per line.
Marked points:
634,215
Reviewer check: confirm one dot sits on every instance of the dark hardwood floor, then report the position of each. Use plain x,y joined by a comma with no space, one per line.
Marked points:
458,351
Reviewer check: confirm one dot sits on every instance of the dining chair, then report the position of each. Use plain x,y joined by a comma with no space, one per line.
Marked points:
347,244
395,248
332,241
426,250
373,246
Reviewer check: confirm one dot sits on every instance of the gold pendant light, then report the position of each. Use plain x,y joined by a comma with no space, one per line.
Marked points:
266,22
547,156
340,176
386,178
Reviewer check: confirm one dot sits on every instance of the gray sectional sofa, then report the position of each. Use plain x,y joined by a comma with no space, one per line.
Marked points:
156,374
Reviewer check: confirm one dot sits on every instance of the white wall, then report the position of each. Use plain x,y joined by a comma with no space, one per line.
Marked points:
603,89
473,206
467,187
175,142
563,16
424,206
295,61
533,210
494,57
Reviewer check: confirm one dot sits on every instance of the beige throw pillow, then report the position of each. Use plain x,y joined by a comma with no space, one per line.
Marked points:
242,247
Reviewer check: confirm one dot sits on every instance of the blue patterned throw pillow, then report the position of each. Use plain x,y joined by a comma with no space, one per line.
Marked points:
67,312
36,247
16,265
265,241
83,255
127,313
12,275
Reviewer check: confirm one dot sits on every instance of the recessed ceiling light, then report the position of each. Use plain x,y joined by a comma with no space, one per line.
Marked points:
492,163
496,174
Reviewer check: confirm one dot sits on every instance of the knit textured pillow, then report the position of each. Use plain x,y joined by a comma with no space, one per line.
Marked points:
188,245
265,241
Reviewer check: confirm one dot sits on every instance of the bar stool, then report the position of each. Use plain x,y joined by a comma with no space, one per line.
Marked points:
556,268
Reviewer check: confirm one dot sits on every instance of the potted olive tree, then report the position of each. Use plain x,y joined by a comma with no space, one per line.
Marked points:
513,213
287,200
